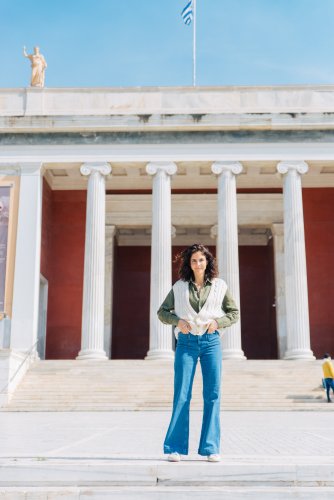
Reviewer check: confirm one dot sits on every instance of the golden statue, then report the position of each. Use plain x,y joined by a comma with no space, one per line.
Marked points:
38,65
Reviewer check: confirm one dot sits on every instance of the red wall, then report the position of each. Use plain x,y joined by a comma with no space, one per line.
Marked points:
63,240
63,234
319,239
131,302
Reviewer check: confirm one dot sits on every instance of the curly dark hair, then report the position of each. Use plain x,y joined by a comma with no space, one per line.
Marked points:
185,271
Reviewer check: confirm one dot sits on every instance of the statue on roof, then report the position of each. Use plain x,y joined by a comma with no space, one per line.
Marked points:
38,65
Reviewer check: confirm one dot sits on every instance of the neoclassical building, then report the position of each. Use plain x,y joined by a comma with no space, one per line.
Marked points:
100,188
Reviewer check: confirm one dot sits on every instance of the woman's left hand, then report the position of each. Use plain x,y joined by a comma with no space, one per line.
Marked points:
212,326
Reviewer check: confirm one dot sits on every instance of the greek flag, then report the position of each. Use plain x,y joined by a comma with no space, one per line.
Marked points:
187,13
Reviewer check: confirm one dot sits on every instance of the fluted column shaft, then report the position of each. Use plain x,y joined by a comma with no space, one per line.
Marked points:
92,338
278,238
161,258
227,246
297,313
108,288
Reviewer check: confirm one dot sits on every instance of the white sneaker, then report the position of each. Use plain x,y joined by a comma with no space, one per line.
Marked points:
214,458
174,457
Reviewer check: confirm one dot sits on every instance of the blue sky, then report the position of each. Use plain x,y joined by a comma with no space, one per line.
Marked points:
104,43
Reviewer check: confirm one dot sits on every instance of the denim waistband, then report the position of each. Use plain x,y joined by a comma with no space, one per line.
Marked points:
195,335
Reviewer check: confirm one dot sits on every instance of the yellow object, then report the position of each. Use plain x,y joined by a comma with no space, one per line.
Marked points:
328,369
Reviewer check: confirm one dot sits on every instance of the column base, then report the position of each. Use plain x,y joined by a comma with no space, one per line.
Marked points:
160,354
88,354
299,354
233,354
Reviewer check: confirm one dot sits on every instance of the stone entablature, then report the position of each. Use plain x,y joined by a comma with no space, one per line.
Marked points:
213,108
134,210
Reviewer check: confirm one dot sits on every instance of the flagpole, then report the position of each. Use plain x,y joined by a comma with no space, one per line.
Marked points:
194,44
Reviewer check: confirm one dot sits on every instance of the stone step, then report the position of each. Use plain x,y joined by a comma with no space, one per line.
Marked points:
122,407
54,406
285,391
167,493
156,390
122,366
171,493
235,478
159,402
231,377
138,389
158,399
42,389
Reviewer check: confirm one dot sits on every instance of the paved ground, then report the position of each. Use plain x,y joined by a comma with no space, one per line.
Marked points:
139,435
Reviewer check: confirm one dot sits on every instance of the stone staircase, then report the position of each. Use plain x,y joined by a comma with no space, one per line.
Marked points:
118,385
66,472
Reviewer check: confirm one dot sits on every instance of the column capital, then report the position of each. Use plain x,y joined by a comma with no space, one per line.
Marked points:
168,168
214,231
277,229
10,169
31,168
102,168
22,168
283,167
111,230
234,167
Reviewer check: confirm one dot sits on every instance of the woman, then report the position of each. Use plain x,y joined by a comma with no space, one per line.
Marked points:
200,306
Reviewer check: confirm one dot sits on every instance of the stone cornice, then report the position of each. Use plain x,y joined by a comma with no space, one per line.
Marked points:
182,137
171,122
173,100
268,151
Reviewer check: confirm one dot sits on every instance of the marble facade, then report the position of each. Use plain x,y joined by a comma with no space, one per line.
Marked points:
123,139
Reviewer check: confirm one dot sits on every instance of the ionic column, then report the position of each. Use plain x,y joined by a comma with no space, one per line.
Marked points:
108,288
297,314
278,239
92,337
24,324
227,246
161,257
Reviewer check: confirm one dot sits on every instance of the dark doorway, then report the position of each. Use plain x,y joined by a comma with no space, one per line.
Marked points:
131,303
257,296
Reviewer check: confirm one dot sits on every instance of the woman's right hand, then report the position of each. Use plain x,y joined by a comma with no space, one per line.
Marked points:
184,326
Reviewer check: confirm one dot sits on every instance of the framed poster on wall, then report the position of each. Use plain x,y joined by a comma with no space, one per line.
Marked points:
4,225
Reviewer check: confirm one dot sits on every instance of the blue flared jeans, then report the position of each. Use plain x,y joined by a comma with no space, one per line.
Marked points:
207,348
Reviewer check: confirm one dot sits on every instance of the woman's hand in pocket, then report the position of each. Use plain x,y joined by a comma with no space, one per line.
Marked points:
212,326
184,326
